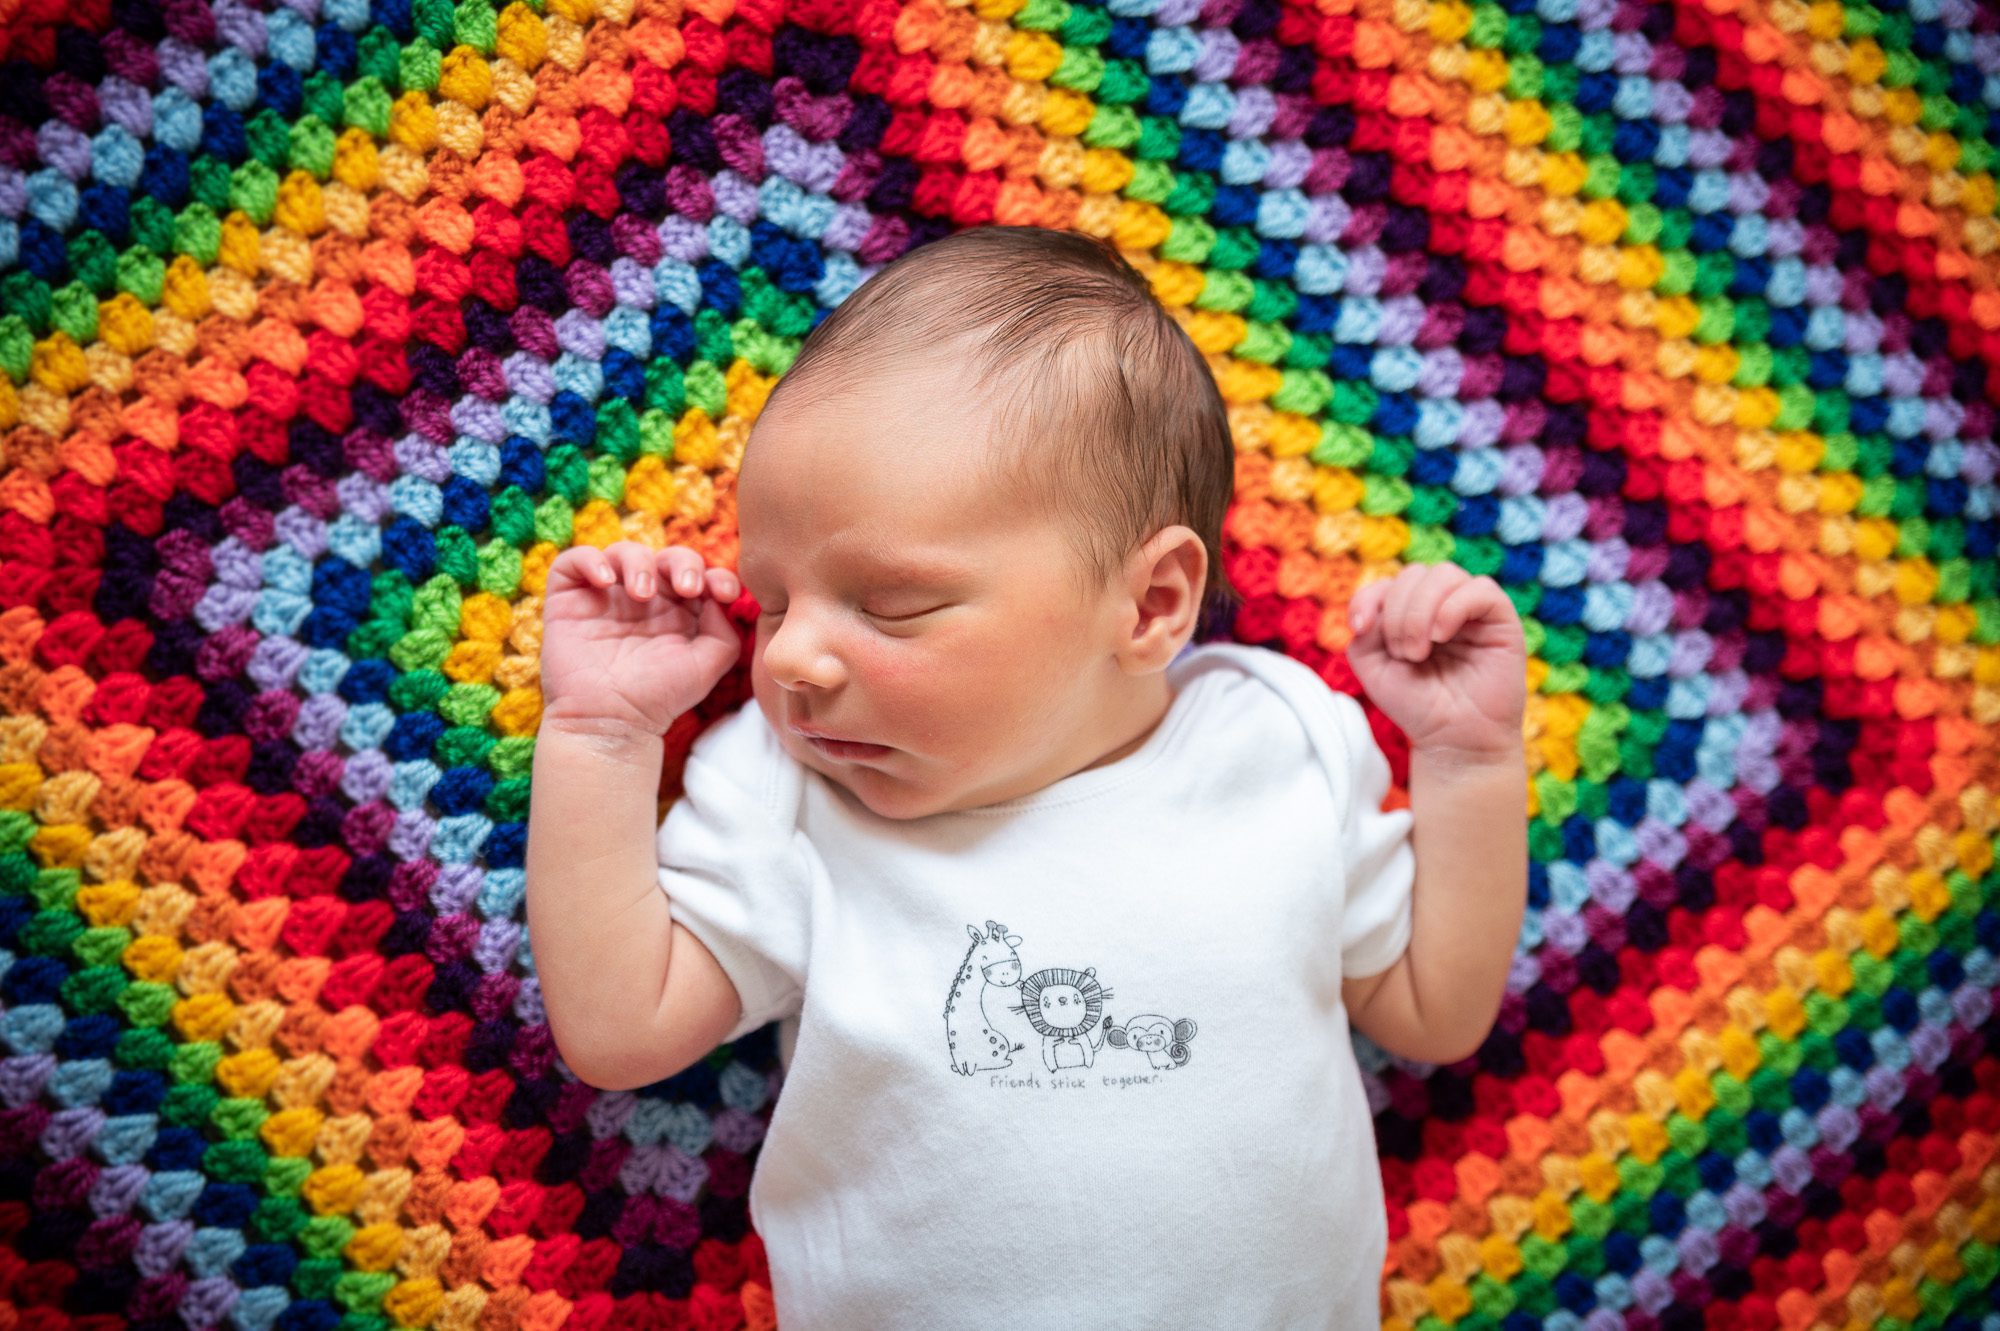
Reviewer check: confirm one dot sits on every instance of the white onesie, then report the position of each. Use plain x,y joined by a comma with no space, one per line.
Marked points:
1078,1059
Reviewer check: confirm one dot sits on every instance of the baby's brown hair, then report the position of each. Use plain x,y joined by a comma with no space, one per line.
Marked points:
1114,420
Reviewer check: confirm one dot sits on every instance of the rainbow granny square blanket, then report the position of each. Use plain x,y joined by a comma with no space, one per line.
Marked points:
326,324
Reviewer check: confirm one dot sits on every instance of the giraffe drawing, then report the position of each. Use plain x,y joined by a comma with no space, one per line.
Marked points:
978,1042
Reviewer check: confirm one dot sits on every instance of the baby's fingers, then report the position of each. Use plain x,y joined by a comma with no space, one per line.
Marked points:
723,585
635,563
1408,606
688,575
583,565
682,568
1476,599
1366,606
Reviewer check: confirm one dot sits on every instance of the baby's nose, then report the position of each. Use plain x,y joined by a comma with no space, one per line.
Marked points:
795,656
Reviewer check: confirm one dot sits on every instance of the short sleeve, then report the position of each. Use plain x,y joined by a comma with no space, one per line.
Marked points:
736,870
1378,861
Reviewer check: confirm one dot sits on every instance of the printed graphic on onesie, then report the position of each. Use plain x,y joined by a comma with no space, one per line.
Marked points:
994,1012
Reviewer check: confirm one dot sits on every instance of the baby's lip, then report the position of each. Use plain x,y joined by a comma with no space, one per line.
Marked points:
815,732
842,750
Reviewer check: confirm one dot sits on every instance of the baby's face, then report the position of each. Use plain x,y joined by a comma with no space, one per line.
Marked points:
904,608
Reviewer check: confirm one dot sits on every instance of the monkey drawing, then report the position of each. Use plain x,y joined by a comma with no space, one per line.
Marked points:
1164,1043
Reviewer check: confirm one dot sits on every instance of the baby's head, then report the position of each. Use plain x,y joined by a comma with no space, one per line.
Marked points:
981,513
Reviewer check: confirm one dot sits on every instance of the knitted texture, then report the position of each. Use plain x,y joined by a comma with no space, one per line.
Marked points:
326,324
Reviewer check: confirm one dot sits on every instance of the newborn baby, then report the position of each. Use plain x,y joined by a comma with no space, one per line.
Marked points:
1068,916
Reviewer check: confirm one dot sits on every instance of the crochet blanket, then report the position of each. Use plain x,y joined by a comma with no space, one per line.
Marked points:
326,324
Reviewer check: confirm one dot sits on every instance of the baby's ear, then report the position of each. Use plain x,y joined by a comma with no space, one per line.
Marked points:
1164,577
977,937
1013,940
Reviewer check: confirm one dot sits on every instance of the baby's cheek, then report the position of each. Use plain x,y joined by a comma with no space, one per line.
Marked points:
889,668
762,687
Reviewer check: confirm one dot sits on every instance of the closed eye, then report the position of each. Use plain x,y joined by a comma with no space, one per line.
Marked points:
898,619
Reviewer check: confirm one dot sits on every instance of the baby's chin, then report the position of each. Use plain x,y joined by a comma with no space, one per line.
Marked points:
880,792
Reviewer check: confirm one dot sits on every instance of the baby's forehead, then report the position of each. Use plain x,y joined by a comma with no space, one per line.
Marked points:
937,431
927,448
891,374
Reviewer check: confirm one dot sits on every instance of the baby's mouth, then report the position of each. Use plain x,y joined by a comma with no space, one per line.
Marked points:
845,750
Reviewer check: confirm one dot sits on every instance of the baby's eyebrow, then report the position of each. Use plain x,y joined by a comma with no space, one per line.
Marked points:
902,568
912,572
890,571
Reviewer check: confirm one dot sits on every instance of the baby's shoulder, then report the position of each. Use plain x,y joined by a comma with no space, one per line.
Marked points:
1262,676
1246,681
741,748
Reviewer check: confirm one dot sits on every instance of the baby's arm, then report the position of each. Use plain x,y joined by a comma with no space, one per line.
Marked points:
631,995
1438,1000
1442,653
631,639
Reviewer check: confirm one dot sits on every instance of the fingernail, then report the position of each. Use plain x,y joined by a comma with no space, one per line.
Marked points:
642,585
690,583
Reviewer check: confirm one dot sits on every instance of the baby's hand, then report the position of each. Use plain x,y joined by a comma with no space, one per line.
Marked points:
1442,653
632,637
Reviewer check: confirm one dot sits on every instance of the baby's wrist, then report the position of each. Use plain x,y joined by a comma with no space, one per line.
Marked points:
1470,759
613,736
